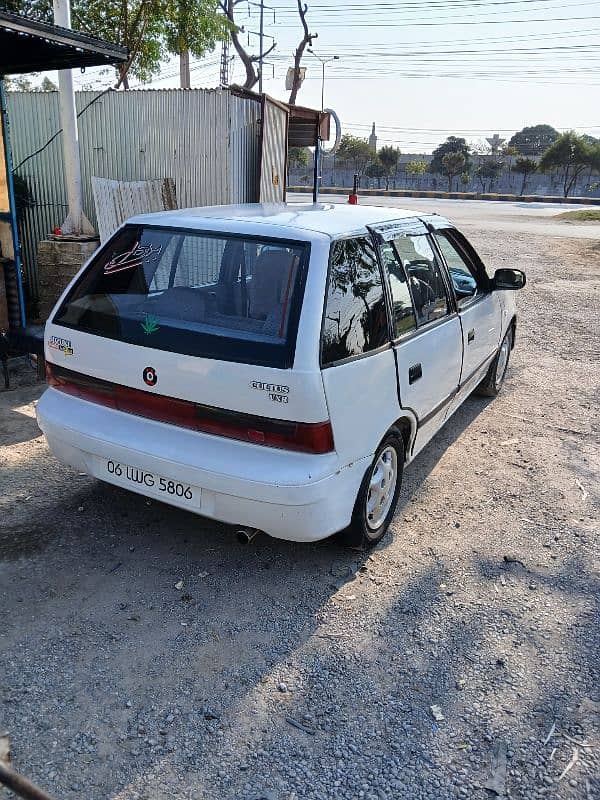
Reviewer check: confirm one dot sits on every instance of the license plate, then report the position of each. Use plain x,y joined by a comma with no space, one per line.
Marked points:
147,483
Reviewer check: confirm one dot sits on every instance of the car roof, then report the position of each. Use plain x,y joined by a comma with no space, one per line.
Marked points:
331,219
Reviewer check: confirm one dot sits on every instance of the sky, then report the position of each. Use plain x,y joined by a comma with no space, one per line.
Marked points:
425,69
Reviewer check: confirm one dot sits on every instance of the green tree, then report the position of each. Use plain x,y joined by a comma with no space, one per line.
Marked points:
47,85
453,144
569,156
453,163
533,140
595,157
18,83
510,153
355,153
376,170
193,26
416,169
23,83
525,167
465,179
298,157
388,158
143,26
35,9
489,170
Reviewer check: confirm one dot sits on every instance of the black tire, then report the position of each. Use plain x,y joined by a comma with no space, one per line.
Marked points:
360,532
492,383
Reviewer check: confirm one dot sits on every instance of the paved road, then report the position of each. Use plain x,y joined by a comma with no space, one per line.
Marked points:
507,217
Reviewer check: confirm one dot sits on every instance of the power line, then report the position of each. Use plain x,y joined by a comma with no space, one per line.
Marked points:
446,22
403,4
435,5
378,46
456,130
373,11
201,66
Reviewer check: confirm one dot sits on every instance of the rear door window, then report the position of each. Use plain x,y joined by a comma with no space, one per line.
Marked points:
355,317
213,295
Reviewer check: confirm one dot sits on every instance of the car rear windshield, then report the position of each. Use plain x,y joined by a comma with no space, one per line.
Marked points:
223,296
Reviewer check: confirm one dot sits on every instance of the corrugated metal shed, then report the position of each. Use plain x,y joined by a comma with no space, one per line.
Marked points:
206,140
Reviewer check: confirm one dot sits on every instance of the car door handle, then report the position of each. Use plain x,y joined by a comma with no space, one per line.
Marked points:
471,335
414,373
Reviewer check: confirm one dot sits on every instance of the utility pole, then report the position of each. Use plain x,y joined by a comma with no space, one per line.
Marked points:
225,52
76,223
224,79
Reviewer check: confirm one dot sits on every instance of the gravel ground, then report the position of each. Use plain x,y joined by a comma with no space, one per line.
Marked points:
281,671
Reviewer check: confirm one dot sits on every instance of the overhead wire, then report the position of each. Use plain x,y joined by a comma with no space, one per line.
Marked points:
445,22
551,63
385,127
372,9
404,4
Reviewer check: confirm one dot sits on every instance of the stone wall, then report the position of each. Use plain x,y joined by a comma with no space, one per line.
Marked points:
58,262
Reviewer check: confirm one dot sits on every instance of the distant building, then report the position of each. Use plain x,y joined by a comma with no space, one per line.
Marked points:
495,142
373,140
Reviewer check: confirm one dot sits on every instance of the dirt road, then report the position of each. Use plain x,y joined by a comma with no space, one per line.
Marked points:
482,601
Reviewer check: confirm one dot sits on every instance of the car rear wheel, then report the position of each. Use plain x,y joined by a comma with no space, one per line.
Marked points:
492,383
378,495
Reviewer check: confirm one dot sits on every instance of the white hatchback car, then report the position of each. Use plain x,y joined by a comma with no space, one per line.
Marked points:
273,367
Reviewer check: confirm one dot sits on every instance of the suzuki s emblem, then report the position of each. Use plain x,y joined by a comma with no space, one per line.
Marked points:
150,376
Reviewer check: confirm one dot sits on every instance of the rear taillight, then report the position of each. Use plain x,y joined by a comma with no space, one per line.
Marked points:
306,437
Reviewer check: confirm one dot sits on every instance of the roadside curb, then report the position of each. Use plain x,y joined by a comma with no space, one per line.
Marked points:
510,198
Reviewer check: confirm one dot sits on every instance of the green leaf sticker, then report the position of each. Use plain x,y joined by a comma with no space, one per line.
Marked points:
150,324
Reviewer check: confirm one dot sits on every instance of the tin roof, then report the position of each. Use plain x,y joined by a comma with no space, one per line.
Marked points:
27,45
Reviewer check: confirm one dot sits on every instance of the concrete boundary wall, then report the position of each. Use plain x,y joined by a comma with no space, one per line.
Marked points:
512,198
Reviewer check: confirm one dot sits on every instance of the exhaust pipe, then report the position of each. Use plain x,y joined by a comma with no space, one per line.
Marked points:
245,535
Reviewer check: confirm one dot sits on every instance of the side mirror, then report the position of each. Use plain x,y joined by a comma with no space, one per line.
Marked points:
509,279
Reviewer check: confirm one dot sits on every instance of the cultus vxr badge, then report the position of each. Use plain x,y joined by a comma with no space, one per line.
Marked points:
277,392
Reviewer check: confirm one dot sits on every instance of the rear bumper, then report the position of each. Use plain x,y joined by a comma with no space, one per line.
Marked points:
293,496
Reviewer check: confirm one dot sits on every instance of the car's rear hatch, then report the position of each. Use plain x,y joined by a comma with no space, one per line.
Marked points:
193,329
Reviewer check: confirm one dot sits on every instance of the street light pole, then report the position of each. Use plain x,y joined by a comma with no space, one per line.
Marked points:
323,62
317,169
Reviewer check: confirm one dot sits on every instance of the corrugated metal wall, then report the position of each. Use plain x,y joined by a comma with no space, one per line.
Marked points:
274,153
206,140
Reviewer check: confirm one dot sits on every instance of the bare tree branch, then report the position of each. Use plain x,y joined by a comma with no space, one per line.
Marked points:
265,54
247,60
307,41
